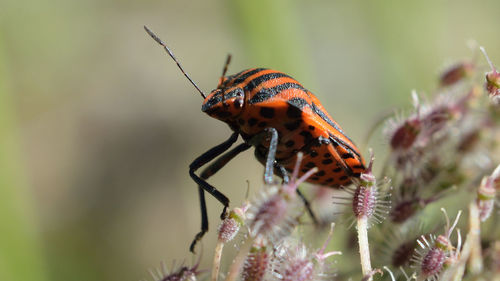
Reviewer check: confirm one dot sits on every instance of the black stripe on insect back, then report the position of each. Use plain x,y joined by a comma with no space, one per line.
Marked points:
242,76
254,83
345,145
267,93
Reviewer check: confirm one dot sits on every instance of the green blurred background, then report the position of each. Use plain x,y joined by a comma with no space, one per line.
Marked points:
98,126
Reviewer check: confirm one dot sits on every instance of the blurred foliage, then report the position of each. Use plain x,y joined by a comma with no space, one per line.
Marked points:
20,255
98,125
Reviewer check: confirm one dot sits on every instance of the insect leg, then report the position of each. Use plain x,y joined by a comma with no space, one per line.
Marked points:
282,172
205,174
273,144
204,159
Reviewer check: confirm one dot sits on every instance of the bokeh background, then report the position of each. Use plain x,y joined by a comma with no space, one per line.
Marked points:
98,126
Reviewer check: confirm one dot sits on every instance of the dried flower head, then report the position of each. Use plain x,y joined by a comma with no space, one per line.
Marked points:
432,255
293,261
275,213
368,198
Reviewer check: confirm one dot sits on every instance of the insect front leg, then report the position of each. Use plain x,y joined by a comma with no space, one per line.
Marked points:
204,186
205,174
270,160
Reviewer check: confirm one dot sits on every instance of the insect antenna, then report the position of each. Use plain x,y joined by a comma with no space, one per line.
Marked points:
224,70
159,41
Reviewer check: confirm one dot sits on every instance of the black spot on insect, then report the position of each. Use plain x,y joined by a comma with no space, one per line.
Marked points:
310,165
293,111
356,175
307,136
326,155
347,155
343,178
337,170
252,121
311,127
289,143
292,126
262,124
313,153
267,112
329,180
327,161
320,173
314,178
241,121
305,170
358,167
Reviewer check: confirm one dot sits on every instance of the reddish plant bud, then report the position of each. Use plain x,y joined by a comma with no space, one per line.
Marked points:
364,202
299,270
405,135
492,84
230,226
456,73
256,264
270,214
443,243
433,262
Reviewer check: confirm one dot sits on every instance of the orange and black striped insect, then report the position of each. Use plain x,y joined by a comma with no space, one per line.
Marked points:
274,113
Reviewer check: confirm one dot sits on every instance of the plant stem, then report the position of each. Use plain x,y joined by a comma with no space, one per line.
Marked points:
476,259
217,258
239,259
364,248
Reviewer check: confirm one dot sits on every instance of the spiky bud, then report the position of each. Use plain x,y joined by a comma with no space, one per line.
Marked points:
276,213
433,262
256,264
230,226
367,200
432,256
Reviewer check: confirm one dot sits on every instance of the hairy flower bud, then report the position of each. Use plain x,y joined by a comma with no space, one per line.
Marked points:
230,226
256,264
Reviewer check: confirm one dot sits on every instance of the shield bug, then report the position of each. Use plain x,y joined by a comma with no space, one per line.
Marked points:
276,115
